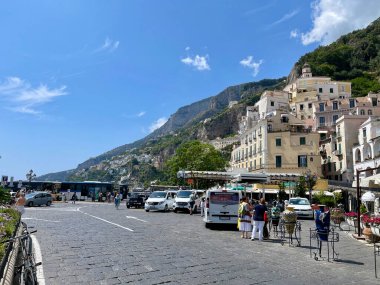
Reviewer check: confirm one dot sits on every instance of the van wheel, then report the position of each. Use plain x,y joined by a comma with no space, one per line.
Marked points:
208,225
48,203
30,204
166,208
175,210
128,206
146,210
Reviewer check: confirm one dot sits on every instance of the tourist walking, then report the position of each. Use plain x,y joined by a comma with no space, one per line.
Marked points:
74,198
192,202
245,218
117,201
20,203
258,219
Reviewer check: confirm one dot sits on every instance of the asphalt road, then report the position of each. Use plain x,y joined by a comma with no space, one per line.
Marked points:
93,243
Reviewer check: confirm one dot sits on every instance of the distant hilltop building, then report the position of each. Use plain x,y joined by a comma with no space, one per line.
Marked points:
219,143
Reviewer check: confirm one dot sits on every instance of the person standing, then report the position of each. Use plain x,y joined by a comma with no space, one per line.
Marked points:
202,206
192,202
258,219
74,198
245,218
117,201
20,203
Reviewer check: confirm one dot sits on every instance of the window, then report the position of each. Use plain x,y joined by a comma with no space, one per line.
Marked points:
364,132
320,90
352,103
278,142
334,118
261,164
301,107
269,128
369,112
278,161
272,103
321,107
302,140
302,161
342,88
335,105
362,112
310,105
329,166
302,117
341,165
331,90
321,121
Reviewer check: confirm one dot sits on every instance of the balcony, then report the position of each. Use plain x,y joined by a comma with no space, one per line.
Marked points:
337,152
338,136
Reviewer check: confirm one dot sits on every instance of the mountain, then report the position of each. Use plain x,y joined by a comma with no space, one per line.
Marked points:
354,57
213,109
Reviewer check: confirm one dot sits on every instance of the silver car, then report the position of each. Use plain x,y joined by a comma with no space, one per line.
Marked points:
38,199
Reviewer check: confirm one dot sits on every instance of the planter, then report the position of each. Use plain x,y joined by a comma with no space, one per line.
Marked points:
290,219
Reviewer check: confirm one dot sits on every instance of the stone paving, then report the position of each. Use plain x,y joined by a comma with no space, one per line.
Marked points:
91,243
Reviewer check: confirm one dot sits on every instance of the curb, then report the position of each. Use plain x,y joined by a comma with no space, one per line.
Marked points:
11,263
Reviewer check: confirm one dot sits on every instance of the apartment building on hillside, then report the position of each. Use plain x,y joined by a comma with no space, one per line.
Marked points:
278,144
366,153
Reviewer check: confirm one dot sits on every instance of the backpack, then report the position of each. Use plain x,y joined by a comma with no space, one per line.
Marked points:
242,211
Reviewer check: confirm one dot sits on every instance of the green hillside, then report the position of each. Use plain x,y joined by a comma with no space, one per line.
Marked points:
353,57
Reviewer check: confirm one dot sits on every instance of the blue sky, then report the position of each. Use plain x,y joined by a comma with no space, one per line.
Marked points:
80,77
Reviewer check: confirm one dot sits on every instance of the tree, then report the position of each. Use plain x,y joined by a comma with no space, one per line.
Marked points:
281,193
301,187
194,156
5,196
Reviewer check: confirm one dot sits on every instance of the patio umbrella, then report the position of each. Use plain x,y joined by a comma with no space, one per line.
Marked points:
368,197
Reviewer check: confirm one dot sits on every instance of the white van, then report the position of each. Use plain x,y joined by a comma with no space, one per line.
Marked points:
160,200
182,201
221,207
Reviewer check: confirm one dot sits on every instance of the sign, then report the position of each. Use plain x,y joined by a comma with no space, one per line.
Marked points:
4,180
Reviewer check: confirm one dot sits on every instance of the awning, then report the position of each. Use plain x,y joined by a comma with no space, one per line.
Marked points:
368,197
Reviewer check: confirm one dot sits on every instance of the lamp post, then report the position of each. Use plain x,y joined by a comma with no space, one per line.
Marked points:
30,175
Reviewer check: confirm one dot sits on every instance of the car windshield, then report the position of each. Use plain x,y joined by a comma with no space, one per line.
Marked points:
184,194
299,202
30,195
158,195
135,195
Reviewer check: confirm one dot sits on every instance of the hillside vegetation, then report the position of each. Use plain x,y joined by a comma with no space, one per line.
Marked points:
353,57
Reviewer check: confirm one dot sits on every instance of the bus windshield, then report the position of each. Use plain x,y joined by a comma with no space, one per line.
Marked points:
225,198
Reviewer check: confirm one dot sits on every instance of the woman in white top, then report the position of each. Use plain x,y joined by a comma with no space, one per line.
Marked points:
20,203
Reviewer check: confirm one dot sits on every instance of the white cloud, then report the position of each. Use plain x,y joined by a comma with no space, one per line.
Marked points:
108,45
199,62
294,34
157,124
285,18
249,63
142,113
334,18
19,96
187,48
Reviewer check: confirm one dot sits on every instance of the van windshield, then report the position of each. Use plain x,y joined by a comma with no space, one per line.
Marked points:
184,194
224,198
299,202
158,195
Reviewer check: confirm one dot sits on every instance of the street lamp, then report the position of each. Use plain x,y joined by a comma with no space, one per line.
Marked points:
30,176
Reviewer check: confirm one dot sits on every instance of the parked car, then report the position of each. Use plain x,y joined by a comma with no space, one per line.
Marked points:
136,199
160,200
302,207
182,200
38,199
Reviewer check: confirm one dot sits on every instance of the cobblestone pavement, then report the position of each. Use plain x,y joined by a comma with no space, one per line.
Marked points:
89,243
